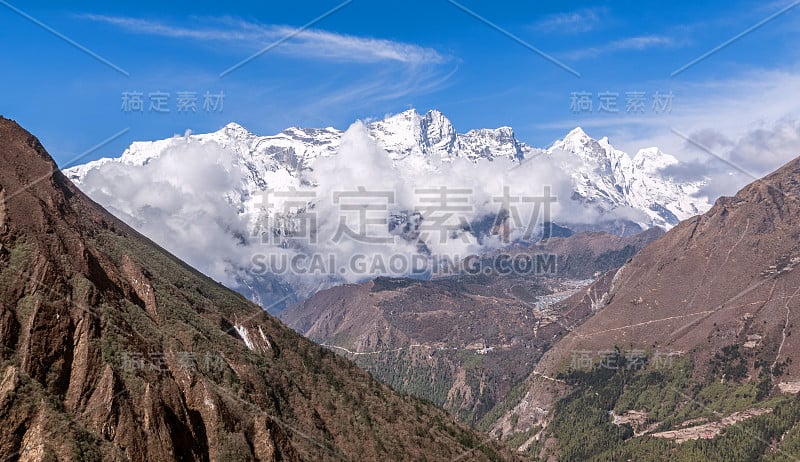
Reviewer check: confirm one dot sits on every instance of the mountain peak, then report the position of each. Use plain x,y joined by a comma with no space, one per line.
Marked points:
408,114
435,113
26,165
234,128
413,116
577,141
652,159
576,132
437,119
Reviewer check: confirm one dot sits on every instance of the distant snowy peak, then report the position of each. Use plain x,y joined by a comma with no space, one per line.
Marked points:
652,160
432,135
405,134
492,143
235,131
575,141
608,176
587,148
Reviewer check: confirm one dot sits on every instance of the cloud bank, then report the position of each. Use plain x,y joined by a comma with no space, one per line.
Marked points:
731,164
181,200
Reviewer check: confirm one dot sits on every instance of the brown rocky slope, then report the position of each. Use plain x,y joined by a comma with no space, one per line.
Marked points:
720,283
112,349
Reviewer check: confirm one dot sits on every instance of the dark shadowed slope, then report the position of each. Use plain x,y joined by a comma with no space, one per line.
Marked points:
112,349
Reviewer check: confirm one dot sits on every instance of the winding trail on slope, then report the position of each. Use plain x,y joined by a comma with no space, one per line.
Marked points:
376,352
705,314
645,323
785,326
547,377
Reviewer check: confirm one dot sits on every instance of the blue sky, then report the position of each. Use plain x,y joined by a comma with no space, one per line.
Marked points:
367,59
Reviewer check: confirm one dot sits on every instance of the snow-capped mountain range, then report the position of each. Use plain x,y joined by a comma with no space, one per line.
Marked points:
602,175
199,196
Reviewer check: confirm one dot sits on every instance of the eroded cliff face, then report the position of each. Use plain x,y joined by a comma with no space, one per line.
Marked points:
112,349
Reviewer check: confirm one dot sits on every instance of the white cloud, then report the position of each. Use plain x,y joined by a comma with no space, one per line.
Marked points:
577,21
179,201
637,43
755,154
764,148
384,85
308,43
